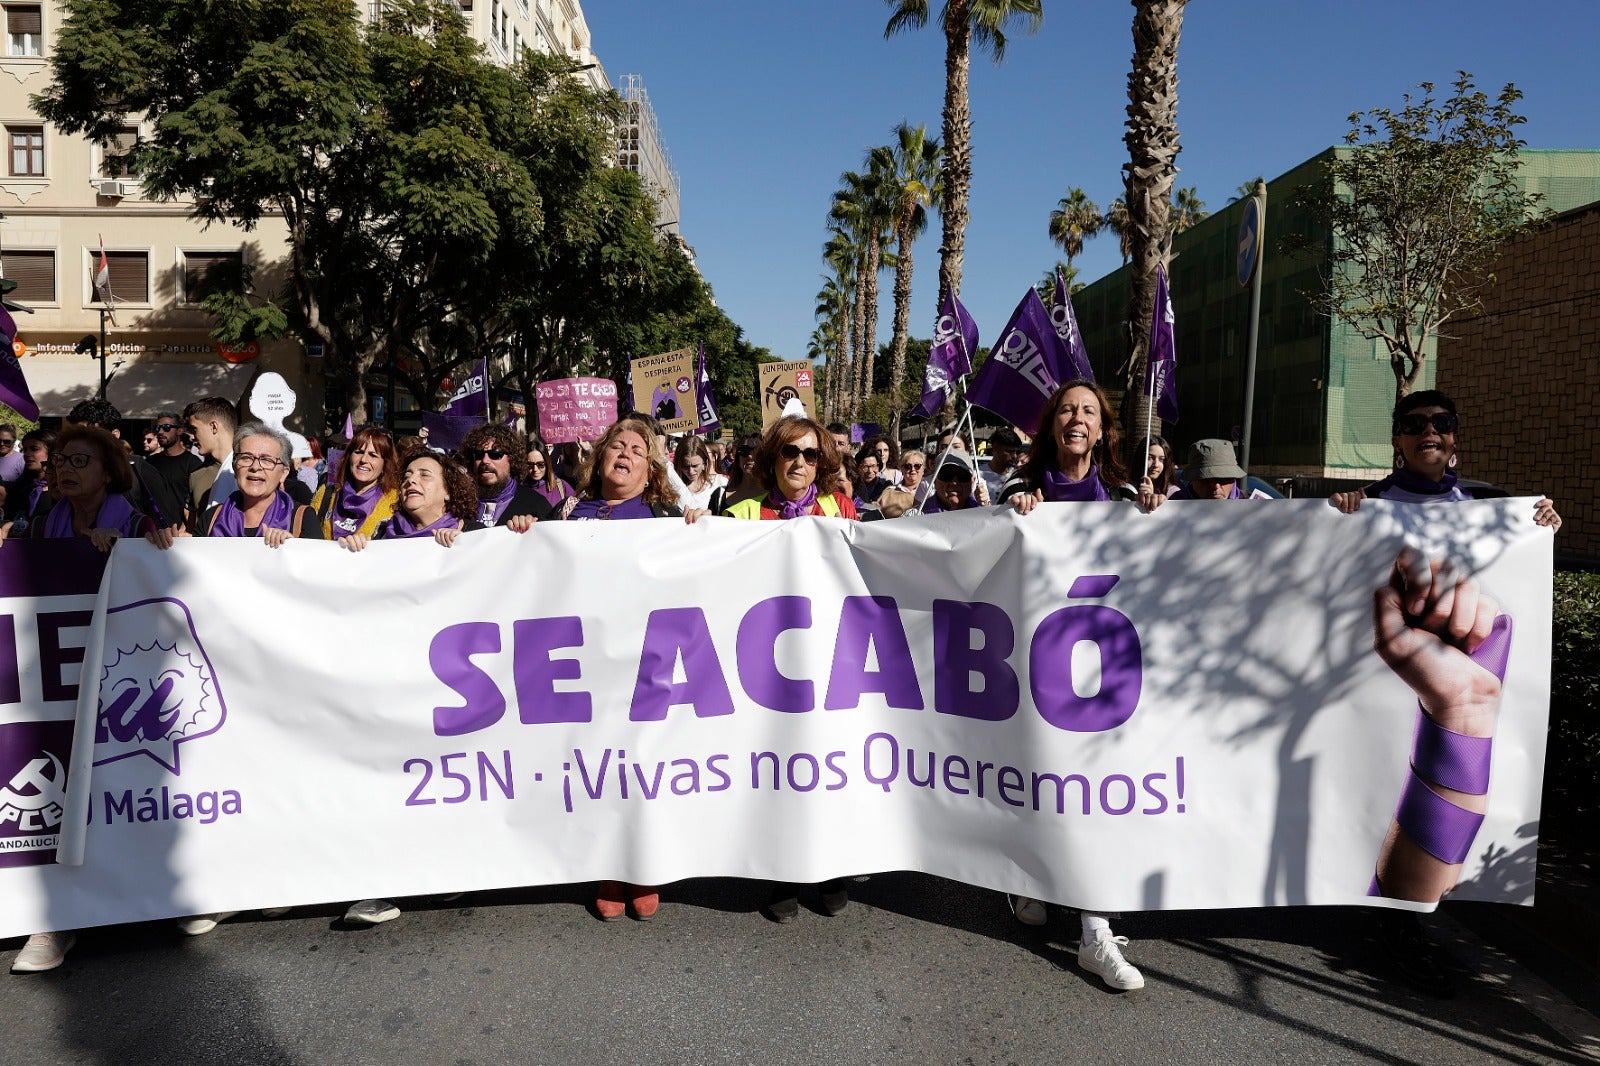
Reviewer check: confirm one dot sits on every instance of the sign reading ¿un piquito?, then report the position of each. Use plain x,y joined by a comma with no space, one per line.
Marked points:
983,696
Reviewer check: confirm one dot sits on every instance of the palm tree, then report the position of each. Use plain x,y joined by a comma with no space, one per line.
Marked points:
1046,285
1187,209
964,21
1116,221
1245,191
862,209
1152,140
837,301
1074,220
913,178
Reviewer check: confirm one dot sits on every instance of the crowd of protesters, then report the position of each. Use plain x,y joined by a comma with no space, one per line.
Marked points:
203,472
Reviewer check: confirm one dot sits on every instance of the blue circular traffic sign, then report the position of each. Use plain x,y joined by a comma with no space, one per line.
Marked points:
1250,240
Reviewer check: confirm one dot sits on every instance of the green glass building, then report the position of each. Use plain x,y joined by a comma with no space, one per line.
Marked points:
1323,392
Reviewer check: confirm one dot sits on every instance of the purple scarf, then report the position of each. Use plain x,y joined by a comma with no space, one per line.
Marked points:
354,507
1058,487
796,508
401,527
230,516
552,496
115,513
489,509
933,506
601,511
34,493
1408,486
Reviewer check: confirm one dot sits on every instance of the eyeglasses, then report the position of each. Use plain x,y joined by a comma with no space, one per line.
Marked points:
1416,425
792,451
910,466
76,460
950,474
537,465
4,443
474,454
165,427
254,461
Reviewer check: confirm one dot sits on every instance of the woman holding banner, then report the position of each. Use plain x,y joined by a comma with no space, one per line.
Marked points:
437,500
627,479
1160,467
259,507
1075,457
362,494
797,457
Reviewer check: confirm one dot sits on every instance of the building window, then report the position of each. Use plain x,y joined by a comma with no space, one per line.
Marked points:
27,151
114,156
34,273
207,272
24,30
129,276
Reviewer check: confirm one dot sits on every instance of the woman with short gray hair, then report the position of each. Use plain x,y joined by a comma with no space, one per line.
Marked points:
259,507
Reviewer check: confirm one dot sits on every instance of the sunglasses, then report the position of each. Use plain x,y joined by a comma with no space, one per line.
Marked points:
910,466
165,427
1416,425
792,451
474,454
537,464
948,474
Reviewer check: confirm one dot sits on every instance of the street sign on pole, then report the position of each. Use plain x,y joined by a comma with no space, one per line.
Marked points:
1250,234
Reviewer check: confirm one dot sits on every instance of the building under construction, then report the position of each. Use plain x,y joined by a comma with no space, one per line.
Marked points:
641,150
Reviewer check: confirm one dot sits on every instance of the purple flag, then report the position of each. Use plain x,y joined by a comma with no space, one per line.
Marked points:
955,338
1076,365
1017,378
472,395
349,426
13,386
1161,363
447,431
709,422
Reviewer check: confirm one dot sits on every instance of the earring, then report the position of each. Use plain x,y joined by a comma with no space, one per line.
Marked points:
1452,461
1399,461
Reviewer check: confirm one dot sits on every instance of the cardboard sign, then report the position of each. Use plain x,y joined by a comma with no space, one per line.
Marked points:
779,383
575,408
664,387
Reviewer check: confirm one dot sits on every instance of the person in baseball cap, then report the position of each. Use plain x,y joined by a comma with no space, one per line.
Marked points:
1212,472
952,485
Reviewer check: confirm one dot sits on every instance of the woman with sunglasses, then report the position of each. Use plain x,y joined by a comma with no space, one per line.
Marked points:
29,497
913,475
796,460
542,477
362,494
625,479
1425,427
743,482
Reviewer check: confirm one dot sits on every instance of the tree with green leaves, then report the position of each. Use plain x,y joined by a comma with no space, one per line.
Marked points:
965,22
1187,210
1416,208
1116,221
913,173
1073,220
1247,190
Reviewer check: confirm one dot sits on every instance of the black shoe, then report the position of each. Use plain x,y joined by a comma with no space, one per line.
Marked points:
835,897
783,907
1417,961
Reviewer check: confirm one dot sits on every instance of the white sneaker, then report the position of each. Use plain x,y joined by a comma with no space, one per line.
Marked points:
201,924
1029,911
43,951
1104,957
371,912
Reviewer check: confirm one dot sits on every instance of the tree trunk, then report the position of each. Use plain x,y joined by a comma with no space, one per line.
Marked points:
957,144
869,323
857,341
1152,140
902,318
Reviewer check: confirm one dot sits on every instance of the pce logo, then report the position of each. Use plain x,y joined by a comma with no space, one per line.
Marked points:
34,798
157,689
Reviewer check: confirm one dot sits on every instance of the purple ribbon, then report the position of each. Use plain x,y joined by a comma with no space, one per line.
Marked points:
230,516
794,508
1058,487
401,527
115,513
353,507
1436,825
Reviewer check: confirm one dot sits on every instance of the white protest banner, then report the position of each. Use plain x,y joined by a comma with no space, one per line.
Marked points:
1087,704
47,598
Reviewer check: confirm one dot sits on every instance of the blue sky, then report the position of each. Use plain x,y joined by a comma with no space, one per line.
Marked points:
763,105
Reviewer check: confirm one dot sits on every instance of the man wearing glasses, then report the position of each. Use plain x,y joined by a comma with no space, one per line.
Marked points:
174,461
497,458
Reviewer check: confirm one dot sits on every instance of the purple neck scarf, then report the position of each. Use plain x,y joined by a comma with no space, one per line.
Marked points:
115,513
796,508
490,509
601,511
230,516
1411,481
1058,487
552,496
933,506
400,527
354,507
34,493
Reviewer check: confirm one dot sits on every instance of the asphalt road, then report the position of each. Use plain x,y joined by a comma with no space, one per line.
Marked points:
916,970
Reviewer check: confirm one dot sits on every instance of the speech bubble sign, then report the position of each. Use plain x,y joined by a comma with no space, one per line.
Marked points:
158,689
